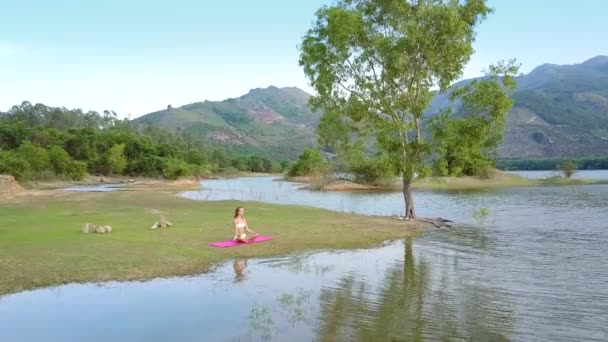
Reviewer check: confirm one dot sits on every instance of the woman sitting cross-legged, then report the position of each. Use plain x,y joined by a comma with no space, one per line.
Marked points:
241,229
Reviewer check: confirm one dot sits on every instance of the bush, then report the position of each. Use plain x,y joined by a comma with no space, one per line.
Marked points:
276,167
114,161
200,171
367,172
13,164
76,170
487,172
441,168
37,157
148,165
285,165
175,168
309,162
239,164
568,168
60,160
195,157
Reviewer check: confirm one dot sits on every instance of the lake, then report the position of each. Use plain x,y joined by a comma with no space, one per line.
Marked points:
537,270
587,174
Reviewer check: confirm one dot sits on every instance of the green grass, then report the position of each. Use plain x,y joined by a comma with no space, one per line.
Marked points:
498,182
41,243
467,183
570,181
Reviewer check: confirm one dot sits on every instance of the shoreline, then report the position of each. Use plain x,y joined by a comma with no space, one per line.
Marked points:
41,234
133,181
464,183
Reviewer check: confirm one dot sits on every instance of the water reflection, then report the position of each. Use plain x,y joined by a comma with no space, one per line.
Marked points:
536,271
408,307
239,266
280,318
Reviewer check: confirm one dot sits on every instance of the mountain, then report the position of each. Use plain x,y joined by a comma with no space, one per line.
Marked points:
271,121
558,111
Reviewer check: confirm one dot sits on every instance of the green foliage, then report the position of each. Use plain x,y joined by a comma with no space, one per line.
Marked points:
34,145
284,166
36,157
76,170
200,171
374,64
466,143
114,161
563,108
12,135
481,215
60,159
221,159
309,162
175,168
196,157
255,164
12,163
262,122
551,163
568,168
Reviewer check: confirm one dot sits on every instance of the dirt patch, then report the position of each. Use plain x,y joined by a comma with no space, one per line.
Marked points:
9,186
185,182
265,114
344,185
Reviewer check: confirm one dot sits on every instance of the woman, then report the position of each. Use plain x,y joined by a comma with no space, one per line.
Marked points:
240,227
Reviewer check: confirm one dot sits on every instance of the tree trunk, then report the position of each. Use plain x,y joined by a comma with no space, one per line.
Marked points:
410,213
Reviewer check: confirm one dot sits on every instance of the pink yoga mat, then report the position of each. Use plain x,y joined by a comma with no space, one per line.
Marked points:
231,243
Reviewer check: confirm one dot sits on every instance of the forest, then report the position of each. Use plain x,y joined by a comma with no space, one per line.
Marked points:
38,142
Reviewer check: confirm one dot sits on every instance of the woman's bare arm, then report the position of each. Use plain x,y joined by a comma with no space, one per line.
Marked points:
247,228
236,230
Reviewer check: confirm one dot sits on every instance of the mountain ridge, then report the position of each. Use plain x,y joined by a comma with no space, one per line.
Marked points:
558,111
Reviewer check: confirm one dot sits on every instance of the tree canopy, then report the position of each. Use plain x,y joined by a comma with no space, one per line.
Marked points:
375,65
37,142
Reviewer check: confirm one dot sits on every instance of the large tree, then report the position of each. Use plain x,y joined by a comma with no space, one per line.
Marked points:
375,64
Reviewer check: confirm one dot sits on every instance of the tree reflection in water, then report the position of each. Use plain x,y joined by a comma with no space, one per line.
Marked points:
409,307
408,303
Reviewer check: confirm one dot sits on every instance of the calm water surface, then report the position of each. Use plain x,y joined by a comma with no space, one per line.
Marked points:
537,270
589,174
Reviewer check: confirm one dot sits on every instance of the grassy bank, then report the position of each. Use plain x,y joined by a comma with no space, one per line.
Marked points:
499,181
465,183
41,243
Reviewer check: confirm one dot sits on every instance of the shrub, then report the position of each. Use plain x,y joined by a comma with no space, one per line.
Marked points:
175,168
309,162
60,160
13,164
76,170
37,157
568,168
200,171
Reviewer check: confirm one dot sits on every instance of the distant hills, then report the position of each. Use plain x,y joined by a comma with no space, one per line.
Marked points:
558,111
272,121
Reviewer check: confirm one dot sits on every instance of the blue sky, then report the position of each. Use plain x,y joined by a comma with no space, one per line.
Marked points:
137,56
